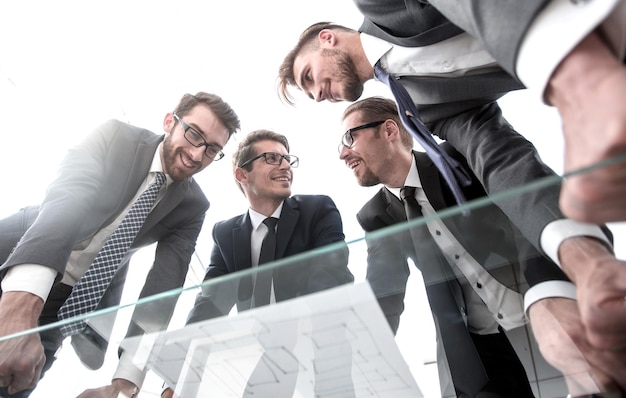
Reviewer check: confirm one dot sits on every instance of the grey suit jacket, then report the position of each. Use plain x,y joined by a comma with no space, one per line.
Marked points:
487,234
307,223
96,181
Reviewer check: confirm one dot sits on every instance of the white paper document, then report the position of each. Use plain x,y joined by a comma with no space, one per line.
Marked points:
332,344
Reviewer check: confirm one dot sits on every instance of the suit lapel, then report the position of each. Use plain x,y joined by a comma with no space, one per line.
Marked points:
429,177
286,225
241,242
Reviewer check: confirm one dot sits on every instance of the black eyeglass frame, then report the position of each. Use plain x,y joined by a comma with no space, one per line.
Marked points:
292,160
347,139
215,157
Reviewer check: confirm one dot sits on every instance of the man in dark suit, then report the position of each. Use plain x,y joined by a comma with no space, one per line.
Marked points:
579,70
489,301
46,249
333,62
385,156
263,170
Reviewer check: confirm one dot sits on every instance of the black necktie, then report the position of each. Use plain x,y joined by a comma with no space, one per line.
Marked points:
88,291
451,170
263,284
446,301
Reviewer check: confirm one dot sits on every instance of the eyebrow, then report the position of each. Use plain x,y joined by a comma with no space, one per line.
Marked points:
203,134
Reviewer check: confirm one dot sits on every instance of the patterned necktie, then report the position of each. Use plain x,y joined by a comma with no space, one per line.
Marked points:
451,170
263,284
88,291
447,303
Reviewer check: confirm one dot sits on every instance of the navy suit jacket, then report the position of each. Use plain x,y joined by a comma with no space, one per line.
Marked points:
307,223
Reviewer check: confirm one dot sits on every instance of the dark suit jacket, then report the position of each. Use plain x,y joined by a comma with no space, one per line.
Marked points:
485,233
463,110
307,222
96,181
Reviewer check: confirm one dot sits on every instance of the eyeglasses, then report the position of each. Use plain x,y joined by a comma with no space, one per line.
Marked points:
195,139
274,158
347,140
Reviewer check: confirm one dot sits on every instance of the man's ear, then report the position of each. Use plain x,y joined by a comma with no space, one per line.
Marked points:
392,131
328,38
168,122
241,175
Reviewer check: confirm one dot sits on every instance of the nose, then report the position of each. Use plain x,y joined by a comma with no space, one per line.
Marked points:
284,164
343,151
197,153
318,94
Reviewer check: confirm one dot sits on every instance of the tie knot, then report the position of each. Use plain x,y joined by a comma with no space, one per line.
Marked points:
270,222
160,178
407,192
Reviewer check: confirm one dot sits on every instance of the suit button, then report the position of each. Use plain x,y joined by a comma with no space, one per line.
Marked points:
479,285
438,233
456,256
500,316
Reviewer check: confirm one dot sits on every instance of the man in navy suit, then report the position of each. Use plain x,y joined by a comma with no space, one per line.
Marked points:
45,249
263,169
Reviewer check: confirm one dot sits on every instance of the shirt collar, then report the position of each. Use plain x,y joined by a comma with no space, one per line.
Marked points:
157,166
412,179
257,218
375,48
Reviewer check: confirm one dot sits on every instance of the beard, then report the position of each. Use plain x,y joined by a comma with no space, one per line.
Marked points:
170,153
346,74
368,179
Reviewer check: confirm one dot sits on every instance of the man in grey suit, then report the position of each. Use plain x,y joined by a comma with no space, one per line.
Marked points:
378,149
333,62
262,167
46,249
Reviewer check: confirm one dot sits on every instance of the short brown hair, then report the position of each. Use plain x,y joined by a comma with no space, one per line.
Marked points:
246,151
224,113
306,41
380,108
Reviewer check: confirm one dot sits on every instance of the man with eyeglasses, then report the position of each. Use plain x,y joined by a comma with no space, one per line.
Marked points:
263,170
47,249
380,152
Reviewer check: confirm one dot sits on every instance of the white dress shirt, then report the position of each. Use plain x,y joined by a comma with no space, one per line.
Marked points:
489,302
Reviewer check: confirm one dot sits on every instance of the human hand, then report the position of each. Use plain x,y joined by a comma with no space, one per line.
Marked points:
21,358
600,281
558,329
589,90
119,388
168,393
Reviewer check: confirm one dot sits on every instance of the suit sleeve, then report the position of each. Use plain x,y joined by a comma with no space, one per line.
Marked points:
52,236
217,297
330,267
387,270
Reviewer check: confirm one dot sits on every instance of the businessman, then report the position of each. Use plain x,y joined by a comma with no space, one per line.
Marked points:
569,53
263,169
378,149
104,184
333,62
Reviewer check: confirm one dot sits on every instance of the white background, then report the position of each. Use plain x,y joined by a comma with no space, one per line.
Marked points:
67,65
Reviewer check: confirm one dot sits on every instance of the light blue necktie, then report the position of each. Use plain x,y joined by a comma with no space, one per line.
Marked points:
88,291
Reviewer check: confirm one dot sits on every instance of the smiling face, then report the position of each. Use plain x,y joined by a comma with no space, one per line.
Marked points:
327,74
369,157
266,182
180,159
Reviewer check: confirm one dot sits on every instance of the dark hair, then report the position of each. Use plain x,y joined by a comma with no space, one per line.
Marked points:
306,41
246,151
380,108
225,114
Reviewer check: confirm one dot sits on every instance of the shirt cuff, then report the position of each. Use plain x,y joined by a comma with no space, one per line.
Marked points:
549,289
32,278
557,29
557,231
127,370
